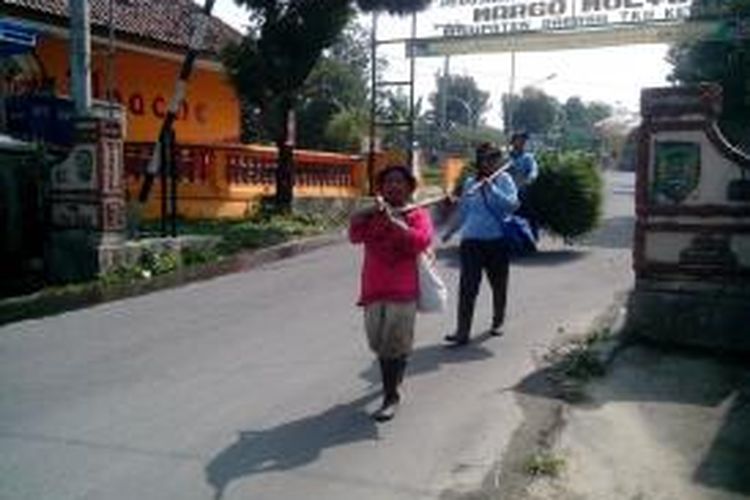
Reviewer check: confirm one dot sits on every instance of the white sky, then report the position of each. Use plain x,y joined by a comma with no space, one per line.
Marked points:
613,75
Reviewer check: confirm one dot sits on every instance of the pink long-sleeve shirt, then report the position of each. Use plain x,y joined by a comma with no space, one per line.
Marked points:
389,272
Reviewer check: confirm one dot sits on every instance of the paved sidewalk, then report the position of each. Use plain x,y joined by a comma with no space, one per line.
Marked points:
663,424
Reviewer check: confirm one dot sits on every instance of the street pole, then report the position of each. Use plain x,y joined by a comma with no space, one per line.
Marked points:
412,114
80,56
511,91
444,104
196,42
373,103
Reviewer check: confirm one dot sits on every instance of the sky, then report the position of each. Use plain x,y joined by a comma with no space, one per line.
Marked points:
614,75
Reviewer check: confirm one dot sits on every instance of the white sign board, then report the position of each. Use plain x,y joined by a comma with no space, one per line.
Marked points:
470,26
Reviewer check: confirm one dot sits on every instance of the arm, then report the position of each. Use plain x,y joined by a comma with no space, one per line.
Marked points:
359,222
504,194
532,171
419,234
358,225
414,234
458,217
455,221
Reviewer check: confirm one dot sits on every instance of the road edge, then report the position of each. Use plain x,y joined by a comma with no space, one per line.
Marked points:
43,304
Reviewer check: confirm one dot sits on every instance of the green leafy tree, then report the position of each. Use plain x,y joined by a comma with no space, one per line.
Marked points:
337,87
723,58
285,41
347,128
577,124
533,111
465,102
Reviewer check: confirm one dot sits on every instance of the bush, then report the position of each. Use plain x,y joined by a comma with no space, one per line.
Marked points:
567,195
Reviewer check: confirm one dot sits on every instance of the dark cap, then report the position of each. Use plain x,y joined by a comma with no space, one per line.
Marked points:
405,171
487,151
523,135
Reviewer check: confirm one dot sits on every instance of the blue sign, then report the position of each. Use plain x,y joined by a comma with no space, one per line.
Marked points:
40,118
15,38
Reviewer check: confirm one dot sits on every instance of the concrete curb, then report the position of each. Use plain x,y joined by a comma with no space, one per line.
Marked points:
46,304
606,350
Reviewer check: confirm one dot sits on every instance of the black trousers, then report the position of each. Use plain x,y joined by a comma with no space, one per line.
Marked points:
490,256
526,210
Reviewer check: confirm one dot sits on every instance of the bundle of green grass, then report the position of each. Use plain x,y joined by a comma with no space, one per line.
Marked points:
567,195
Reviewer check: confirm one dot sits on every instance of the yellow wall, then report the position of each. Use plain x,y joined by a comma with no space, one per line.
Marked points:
218,190
144,84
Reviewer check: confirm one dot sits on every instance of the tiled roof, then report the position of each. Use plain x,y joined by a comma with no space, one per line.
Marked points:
162,22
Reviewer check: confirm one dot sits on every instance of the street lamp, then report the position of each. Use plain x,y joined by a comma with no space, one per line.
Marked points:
467,107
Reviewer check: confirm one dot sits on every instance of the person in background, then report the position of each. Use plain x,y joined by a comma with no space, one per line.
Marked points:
485,202
393,237
524,170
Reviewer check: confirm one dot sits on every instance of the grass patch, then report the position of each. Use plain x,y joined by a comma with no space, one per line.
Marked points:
544,464
578,359
262,230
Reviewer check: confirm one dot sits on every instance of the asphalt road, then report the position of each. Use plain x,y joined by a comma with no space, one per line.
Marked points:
258,385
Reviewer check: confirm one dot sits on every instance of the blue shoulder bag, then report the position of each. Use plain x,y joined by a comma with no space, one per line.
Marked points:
517,234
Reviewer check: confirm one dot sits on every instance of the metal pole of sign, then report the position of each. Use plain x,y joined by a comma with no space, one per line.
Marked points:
511,90
412,71
163,170
444,104
173,175
80,60
194,48
373,102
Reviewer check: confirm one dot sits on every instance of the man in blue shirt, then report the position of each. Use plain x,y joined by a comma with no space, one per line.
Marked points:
524,171
485,203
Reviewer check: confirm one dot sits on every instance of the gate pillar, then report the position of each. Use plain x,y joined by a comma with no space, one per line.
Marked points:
692,239
87,203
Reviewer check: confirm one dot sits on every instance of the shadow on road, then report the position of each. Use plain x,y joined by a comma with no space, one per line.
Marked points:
430,358
291,444
450,257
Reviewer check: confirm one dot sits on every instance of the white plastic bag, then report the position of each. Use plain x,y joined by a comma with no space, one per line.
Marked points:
433,294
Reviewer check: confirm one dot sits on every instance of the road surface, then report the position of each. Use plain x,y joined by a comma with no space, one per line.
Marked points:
258,385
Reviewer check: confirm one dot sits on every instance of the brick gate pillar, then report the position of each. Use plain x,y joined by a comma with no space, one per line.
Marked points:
87,203
692,240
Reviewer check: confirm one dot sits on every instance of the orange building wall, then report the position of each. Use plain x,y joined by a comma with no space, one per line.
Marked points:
144,84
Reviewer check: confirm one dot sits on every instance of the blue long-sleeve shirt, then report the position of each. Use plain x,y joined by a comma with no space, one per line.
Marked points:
524,168
480,219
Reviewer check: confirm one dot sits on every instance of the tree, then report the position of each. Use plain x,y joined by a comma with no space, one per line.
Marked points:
725,59
577,124
337,87
465,103
533,111
285,40
347,128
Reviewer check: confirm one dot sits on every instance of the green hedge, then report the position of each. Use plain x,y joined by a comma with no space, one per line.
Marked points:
567,195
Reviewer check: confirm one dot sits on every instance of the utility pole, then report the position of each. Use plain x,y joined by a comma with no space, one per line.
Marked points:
80,56
511,91
444,103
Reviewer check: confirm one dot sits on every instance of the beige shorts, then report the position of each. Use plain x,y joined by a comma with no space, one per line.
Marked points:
390,327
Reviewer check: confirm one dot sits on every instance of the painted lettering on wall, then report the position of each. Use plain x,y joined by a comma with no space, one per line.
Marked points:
139,105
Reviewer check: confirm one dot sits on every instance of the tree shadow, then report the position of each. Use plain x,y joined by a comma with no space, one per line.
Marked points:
292,444
432,357
449,255
546,258
648,372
